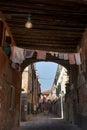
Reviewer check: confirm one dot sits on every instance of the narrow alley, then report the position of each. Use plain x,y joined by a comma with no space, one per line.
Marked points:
35,31
44,121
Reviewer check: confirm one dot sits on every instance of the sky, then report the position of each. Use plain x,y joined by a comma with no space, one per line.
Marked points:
46,72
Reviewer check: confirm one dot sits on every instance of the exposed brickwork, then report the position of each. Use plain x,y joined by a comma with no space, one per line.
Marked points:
8,77
83,76
9,117
79,80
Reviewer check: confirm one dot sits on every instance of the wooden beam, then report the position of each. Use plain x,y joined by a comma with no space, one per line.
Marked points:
47,48
48,40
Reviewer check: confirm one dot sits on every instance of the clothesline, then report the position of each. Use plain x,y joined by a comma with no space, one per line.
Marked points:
18,55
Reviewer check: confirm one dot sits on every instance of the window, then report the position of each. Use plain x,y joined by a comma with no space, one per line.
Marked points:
11,97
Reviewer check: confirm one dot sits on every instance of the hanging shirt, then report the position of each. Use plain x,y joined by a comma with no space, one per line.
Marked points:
17,55
71,58
66,56
77,58
61,55
41,54
28,53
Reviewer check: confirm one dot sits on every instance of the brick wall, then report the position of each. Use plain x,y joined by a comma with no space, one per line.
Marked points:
82,85
9,94
82,82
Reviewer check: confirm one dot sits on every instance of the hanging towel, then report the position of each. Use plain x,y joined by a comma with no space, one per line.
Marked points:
61,55
28,53
77,58
71,58
41,54
66,56
17,55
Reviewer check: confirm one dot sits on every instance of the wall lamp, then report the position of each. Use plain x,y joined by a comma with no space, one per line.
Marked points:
28,24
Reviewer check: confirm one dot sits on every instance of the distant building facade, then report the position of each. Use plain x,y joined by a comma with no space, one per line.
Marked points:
31,92
59,90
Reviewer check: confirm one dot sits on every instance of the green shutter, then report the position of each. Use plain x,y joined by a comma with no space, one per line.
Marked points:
58,90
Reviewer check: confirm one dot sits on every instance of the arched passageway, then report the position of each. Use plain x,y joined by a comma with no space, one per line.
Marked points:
32,81
64,31
66,63
73,99
68,113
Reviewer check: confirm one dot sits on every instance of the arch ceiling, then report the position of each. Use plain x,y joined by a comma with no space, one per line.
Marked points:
58,25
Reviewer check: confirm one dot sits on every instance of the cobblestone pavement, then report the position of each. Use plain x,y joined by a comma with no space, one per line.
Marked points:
47,122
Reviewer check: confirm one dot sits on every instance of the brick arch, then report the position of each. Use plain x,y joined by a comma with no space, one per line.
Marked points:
33,60
30,61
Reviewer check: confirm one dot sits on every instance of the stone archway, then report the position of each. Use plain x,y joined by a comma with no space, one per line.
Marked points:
50,59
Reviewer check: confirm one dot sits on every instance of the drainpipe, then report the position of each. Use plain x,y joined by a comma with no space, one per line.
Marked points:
32,83
61,97
61,106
